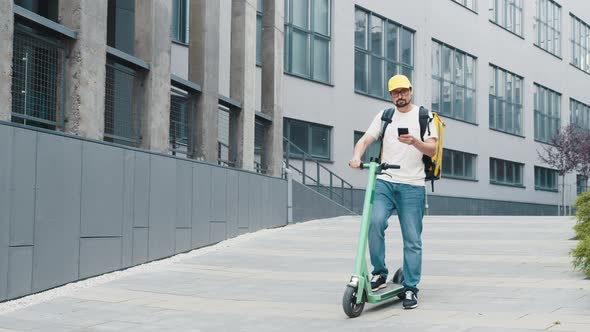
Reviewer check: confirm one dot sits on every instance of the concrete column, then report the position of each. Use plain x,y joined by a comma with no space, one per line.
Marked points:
204,70
153,45
85,66
6,36
272,83
243,82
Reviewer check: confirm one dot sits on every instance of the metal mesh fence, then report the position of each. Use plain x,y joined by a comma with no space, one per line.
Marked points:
259,140
223,157
122,105
180,130
38,79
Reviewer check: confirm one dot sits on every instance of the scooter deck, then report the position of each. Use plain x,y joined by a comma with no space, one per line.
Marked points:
391,291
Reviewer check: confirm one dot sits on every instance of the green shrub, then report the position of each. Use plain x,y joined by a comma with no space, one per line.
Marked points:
581,254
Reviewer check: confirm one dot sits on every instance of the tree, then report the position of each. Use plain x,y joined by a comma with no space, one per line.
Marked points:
563,153
583,152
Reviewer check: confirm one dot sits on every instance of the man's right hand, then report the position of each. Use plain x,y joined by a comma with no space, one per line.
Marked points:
355,163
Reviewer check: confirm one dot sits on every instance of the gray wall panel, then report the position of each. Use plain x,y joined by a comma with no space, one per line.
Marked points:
20,271
201,215
253,199
57,216
183,240
88,199
141,190
184,193
218,231
218,193
127,225
102,196
232,203
309,205
243,200
99,255
162,207
140,245
6,135
22,213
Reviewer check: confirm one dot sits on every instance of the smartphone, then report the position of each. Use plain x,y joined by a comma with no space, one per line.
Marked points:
402,131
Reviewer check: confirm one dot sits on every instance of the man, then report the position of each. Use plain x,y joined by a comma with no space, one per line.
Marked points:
402,189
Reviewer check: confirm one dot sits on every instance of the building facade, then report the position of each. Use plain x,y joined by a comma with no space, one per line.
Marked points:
224,81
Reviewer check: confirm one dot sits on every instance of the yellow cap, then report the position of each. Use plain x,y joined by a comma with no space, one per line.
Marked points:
399,81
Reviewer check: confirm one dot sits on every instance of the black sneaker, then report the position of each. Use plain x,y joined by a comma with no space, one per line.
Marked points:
377,282
410,300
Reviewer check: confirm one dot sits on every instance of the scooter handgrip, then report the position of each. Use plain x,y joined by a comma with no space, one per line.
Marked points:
387,166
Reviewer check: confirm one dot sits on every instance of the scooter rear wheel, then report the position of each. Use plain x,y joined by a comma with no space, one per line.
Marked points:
398,278
351,308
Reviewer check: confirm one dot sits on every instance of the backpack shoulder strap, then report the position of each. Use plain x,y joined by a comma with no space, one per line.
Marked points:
424,119
386,119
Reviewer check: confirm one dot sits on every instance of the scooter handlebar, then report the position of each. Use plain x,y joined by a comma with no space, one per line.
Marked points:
387,166
382,166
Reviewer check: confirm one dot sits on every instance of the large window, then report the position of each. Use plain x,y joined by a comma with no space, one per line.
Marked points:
383,48
580,44
545,179
307,39
547,113
453,82
180,124
581,184
372,151
259,13
505,102
180,17
470,4
458,165
312,138
507,14
504,172
580,114
548,26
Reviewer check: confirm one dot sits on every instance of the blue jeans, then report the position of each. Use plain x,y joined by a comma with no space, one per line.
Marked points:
409,201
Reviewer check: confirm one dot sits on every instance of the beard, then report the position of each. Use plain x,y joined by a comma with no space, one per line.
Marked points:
401,102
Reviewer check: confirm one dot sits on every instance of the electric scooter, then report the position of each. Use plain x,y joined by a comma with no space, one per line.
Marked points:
358,291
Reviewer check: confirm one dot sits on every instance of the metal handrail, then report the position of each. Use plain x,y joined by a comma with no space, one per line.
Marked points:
334,190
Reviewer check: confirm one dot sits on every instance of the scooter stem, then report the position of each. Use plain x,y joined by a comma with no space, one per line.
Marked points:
360,262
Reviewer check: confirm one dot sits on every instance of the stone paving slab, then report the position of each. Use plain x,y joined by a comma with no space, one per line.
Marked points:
481,274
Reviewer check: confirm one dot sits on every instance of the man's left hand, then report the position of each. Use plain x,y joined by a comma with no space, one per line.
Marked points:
407,139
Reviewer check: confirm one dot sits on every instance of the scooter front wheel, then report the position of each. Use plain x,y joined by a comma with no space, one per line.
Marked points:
351,308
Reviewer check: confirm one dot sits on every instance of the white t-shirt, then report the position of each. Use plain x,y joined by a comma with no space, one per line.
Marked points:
395,152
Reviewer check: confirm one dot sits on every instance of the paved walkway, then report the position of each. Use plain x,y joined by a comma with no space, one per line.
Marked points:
481,274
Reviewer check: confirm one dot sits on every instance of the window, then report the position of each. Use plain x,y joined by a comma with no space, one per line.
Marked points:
38,83
372,151
458,164
505,102
46,8
259,32
383,48
580,44
470,4
180,130
121,25
453,82
180,17
504,172
545,179
580,114
581,184
547,113
122,104
507,14
313,139
548,26
223,118
307,39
